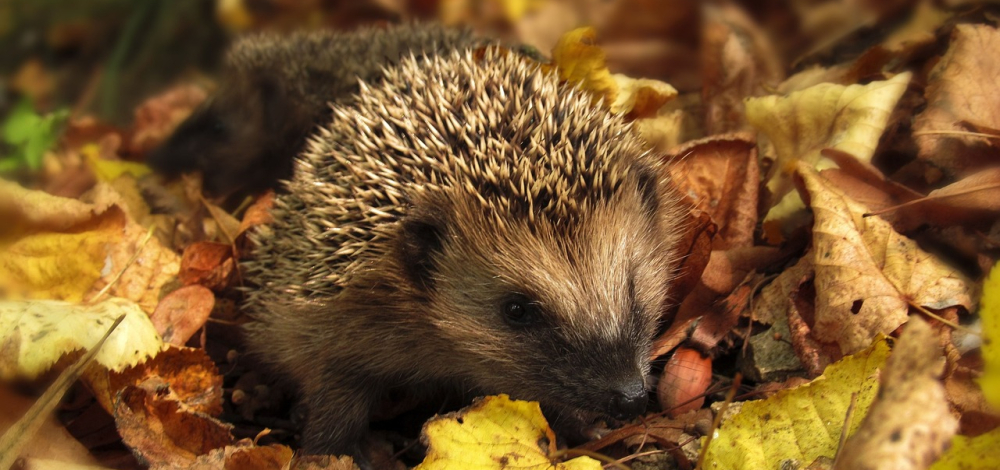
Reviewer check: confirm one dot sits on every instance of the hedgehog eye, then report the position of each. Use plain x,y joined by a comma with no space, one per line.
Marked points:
520,313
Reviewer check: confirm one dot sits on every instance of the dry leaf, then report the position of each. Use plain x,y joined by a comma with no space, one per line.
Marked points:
209,264
186,376
738,61
961,88
182,313
35,334
850,119
720,175
909,424
161,433
867,274
579,61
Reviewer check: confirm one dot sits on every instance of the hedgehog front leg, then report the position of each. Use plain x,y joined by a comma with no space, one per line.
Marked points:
339,408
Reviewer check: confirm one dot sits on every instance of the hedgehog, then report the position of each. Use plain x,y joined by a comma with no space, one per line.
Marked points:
471,224
275,90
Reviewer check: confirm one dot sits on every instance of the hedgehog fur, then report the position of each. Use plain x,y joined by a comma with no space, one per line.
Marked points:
275,90
466,223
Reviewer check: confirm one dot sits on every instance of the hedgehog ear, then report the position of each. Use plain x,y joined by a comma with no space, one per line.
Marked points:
422,235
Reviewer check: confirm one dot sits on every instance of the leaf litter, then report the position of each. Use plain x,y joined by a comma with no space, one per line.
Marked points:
825,217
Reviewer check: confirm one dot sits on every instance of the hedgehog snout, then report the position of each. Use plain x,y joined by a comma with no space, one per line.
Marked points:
628,400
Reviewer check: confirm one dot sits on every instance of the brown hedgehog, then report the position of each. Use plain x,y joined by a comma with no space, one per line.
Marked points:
468,223
275,90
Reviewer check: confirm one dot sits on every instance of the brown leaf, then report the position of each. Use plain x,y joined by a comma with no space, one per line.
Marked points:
209,264
974,199
866,273
738,60
163,434
185,375
867,185
961,87
182,313
720,175
246,455
909,424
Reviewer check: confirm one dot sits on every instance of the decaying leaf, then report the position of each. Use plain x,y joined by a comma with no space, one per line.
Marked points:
159,432
867,275
495,433
803,423
909,424
184,375
35,334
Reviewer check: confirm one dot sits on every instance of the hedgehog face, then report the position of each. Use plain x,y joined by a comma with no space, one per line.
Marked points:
549,311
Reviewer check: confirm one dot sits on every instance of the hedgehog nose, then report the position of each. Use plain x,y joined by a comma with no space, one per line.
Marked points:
628,401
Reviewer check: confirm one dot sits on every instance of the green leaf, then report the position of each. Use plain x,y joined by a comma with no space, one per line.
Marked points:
29,135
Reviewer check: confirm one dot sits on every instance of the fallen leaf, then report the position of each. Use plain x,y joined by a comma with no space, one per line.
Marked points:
977,453
494,433
209,264
182,313
961,88
60,265
186,376
867,275
803,423
971,200
738,60
990,315
74,252
107,169
245,455
162,434
909,425
847,118
720,175
578,60
35,334
157,117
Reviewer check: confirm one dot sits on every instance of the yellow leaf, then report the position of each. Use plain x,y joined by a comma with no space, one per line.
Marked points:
35,334
989,313
579,60
59,248
910,420
977,453
495,433
60,265
803,423
801,124
110,170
